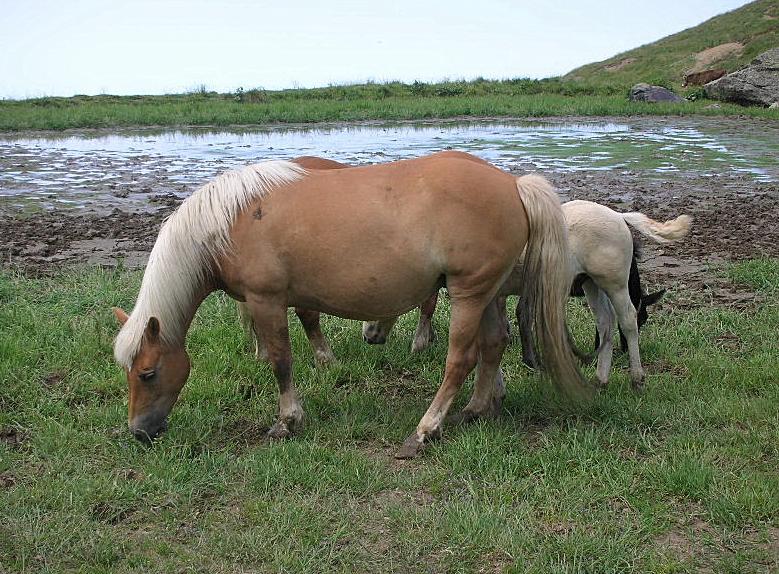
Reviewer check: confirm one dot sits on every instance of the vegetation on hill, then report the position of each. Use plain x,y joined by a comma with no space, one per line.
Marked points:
728,41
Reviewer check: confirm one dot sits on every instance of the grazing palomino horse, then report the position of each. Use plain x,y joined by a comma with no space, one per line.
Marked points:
603,265
311,320
359,243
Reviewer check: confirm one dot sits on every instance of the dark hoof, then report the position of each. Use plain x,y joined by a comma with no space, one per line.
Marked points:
638,386
531,363
461,418
279,431
410,448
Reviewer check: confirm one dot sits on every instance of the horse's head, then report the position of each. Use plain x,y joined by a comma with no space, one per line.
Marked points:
155,379
646,300
376,332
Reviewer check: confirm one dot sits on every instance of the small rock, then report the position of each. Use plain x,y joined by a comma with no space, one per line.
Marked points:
774,106
646,93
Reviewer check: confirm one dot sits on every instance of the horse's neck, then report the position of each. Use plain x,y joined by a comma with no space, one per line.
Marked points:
173,305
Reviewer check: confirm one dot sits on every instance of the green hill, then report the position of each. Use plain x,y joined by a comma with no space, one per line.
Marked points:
727,41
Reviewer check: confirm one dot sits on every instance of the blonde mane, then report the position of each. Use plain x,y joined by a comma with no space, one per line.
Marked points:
189,244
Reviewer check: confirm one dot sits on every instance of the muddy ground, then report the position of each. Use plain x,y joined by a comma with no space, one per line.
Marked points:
734,218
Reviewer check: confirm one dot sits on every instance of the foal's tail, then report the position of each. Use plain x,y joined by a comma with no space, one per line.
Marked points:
546,282
672,230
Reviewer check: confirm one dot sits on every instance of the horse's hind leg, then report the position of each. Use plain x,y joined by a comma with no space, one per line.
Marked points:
425,334
604,318
626,315
490,389
270,318
460,360
310,321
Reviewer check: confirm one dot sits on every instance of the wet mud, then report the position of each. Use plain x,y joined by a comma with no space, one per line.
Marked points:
735,217
128,193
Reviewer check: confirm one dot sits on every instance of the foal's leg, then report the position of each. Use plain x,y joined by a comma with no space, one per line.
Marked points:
489,389
270,318
626,315
310,321
604,317
425,333
460,360
525,322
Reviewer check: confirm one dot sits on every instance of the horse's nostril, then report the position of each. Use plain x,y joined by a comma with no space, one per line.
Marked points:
142,436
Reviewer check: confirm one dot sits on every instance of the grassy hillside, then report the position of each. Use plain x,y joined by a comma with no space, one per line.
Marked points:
754,26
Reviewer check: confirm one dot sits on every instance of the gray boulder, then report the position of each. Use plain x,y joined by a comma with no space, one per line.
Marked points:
756,84
647,93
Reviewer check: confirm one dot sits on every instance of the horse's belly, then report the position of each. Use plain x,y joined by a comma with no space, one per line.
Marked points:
371,290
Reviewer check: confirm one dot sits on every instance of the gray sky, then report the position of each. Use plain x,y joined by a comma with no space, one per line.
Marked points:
66,47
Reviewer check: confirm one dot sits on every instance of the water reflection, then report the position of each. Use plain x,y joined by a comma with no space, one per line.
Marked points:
125,168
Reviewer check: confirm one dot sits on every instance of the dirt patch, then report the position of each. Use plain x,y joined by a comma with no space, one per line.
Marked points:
619,65
699,543
52,380
7,480
111,512
710,56
245,433
12,437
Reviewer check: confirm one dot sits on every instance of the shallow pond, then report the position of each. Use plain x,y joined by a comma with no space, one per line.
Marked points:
138,169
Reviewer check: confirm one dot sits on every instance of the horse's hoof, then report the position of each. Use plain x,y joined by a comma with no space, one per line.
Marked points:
461,418
324,359
419,346
638,386
410,448
279,431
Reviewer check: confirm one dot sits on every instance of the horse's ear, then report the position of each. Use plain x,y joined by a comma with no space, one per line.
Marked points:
120,315
652,298
152,331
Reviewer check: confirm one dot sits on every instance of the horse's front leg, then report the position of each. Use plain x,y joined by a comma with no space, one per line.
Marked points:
270,318
310,321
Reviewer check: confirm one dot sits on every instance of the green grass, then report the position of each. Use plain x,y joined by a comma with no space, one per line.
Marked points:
666,61
760,274
393,101
679,479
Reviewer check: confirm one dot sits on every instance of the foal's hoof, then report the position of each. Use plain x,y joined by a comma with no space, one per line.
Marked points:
410,448
638,385
279,431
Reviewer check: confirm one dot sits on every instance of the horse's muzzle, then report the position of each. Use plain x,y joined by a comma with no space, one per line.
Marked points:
146,434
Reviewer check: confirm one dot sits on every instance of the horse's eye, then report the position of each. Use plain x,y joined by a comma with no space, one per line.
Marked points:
147,376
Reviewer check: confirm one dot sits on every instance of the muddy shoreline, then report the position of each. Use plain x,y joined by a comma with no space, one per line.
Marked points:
734,218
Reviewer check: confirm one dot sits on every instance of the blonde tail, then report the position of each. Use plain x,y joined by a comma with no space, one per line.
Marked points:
547,282
672,230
